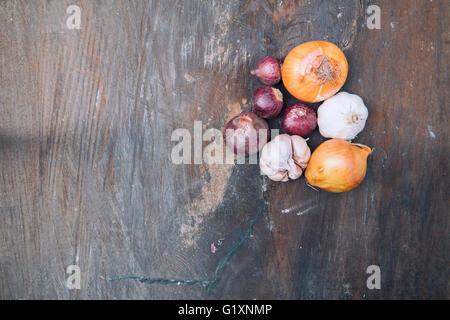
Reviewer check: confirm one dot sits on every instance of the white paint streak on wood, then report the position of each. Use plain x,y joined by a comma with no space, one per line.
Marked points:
301,208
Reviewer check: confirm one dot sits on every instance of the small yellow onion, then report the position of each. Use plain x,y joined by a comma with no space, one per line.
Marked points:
337,165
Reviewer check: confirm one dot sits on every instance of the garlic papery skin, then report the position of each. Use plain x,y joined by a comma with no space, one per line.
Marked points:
284,157
301,151
342,116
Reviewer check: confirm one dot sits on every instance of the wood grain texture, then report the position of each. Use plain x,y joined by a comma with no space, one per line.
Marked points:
85,125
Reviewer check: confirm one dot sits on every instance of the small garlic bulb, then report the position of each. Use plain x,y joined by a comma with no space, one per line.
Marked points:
284,157
342,116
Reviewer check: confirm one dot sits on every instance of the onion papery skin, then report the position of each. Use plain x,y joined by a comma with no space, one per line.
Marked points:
267,102
268,71
298,119
299,77
247,133
337,165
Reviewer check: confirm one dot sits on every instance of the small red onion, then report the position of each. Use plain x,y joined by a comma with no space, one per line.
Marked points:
298,119
244,134
267,102
268,71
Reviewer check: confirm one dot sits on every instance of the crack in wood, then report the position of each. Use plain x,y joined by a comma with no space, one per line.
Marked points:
208,285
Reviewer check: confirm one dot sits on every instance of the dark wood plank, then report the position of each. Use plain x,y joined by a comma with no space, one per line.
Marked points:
85,124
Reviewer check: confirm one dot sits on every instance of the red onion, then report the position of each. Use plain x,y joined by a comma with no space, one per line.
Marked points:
268,71
298,119
244,134
267,102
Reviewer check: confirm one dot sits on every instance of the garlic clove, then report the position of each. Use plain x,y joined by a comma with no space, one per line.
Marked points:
266,168
284,157
301,151
280,176
277,152
294,171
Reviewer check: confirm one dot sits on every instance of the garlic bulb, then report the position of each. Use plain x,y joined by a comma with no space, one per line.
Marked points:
342,116
284,157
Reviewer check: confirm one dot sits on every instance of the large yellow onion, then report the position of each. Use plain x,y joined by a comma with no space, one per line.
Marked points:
337,165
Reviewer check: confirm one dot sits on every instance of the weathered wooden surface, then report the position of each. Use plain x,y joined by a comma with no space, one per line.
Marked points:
85,123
